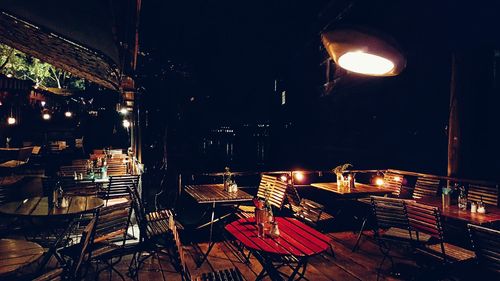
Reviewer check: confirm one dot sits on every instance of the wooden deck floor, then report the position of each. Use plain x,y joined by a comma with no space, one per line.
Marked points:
346,265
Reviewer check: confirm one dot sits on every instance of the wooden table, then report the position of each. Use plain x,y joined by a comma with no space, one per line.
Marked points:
492,213
16,254
359,190
38,207
214,194
296,240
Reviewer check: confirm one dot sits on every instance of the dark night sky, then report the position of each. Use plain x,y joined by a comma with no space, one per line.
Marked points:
233,51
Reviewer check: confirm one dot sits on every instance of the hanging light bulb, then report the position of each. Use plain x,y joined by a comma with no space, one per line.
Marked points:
68,114
11,120
43,103
126,123
46,116
124,111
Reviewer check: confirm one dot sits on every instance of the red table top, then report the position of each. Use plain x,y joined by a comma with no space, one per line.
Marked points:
295,238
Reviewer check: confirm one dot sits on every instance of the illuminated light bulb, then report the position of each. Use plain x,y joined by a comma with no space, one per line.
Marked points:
68,114
43,103
126,123
365,63
11,120
124,110
379,181
283,178
1,103
46,116
299,176
397,178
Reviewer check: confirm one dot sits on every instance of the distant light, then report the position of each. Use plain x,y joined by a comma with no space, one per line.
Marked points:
46,116
11,120
379,181
124,111
1,103
9,75
43,103
299,176
126,123
397,178
284,178
68,114
365,63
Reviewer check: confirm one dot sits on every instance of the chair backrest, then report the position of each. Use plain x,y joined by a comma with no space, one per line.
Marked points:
273,190
393,182
112,222
426,187
389,212
487,193
486,244
85,249
426,219
117,169
118,186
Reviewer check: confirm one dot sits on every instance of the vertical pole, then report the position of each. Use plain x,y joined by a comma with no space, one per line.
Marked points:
454,121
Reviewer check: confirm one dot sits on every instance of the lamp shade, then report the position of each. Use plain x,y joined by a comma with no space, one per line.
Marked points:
364,52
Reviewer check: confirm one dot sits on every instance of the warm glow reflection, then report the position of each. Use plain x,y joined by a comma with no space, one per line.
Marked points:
397,178
126,123
365,63
11,120
379,181
68,114
46,116
299,176
284,178
124,110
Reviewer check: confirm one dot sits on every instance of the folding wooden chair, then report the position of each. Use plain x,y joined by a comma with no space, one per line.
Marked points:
483,192
391,225
177,253
306,210
425,221
486,244
271,189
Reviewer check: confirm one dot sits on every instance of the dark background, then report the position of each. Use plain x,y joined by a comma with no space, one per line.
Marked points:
207,65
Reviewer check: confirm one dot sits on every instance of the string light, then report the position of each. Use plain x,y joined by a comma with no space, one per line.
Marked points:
126,123
46,116
68,114
299,176
11,120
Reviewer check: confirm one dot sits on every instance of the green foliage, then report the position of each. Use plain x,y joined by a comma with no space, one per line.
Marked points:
341,168
23,66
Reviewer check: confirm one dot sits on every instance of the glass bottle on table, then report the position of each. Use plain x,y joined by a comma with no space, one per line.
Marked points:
462,198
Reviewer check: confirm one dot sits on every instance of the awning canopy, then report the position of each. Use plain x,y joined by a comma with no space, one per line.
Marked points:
86,38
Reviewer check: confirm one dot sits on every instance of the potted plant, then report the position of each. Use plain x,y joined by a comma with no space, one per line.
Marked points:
339,172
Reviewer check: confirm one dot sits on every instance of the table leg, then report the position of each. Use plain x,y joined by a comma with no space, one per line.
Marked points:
210,242
267,267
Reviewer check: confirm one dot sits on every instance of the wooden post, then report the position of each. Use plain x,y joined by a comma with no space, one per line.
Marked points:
454,124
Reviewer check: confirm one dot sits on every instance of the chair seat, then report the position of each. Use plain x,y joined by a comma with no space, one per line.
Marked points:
117,201
453,252
247,209
405,235
12,164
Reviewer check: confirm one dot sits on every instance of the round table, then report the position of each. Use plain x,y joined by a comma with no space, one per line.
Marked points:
16,254
39,207
296,239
